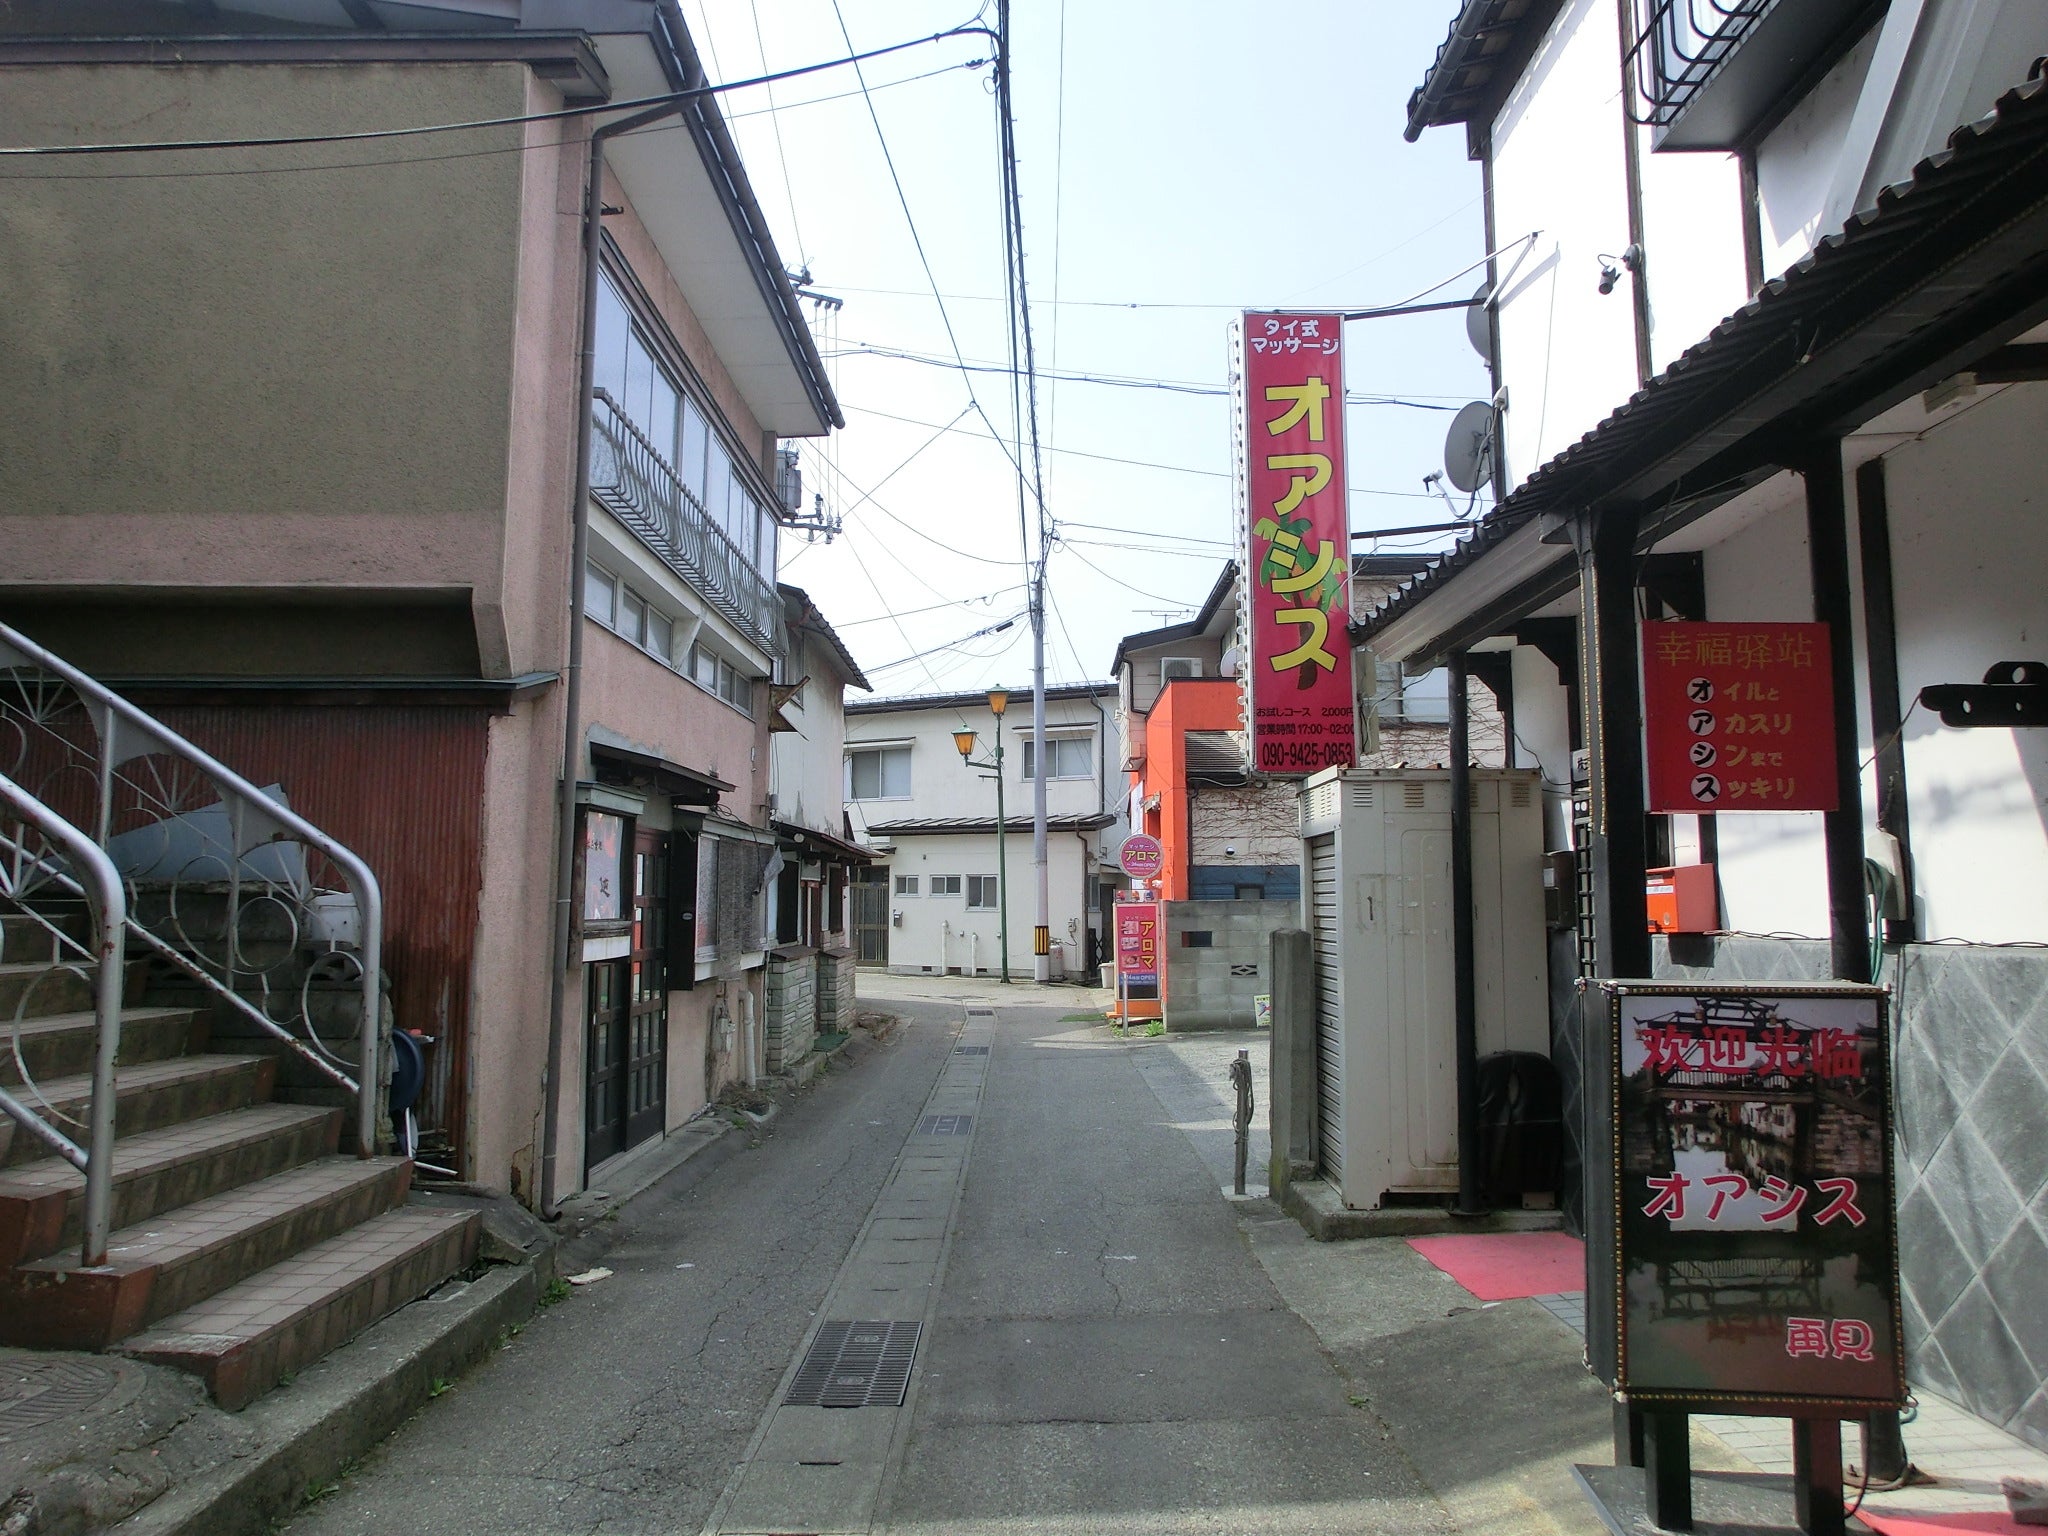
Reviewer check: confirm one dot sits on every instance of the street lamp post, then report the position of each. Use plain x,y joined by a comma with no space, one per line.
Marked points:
998,701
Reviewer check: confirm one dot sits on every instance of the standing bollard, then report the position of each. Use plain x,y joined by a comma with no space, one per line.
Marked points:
1241,1080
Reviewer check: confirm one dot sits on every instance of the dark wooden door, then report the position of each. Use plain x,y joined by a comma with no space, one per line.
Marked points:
626,1007
871,917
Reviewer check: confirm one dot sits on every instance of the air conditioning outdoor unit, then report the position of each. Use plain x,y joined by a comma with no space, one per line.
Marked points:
1376,899
1178,667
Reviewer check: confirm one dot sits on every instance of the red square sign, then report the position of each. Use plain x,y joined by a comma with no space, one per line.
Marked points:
1738,717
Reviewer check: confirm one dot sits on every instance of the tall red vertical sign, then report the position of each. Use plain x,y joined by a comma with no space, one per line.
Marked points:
1298,535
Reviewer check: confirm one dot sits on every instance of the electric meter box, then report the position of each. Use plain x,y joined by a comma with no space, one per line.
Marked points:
1376,900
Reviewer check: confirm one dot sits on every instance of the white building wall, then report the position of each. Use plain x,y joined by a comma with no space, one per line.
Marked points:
942,788
1543,738
808,773
1692,240
1773,865
1568,351
938,935
1978,798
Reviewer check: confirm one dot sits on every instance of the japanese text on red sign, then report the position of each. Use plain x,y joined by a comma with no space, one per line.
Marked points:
1299,533
1738,717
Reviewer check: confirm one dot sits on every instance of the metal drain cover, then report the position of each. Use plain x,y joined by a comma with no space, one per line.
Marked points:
35,1392
981,1013
970,1050
946,1125
856,1365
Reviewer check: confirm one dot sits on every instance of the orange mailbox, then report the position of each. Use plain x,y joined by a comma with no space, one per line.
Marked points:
1682,900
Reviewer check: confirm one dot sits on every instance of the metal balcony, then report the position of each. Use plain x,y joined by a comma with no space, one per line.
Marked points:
631,480
1715,74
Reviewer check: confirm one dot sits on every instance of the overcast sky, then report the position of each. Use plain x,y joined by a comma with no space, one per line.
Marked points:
1180,160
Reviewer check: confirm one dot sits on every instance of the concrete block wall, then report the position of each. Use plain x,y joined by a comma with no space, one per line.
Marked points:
1216,955
791,1007
835,990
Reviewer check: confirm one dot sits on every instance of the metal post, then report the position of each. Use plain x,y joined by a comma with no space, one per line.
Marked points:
1464,990
1817,1476
1241,1080
1854,956
1002,861
1667,1471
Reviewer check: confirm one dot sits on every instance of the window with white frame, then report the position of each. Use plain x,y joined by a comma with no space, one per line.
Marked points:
628,613
945,885
1066,757
878,773
906,885
630,369
717,674
982,893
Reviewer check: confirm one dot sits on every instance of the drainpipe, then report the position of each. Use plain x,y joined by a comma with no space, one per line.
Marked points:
572,682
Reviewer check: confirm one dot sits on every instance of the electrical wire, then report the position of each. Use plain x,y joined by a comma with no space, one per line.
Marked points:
1110,458
886,85
1119,381
561,114
781,154
903,201
1157,597
960,602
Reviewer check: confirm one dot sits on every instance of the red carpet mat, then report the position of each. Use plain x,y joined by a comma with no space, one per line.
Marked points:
1499,1266
1983,1523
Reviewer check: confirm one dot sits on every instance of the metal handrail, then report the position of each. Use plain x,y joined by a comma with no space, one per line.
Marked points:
1677,46
631,480
126,733
101,885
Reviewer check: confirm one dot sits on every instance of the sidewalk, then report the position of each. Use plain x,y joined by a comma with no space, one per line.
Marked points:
1488,1394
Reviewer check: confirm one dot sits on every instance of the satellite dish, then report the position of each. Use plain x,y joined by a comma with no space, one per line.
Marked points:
1479,322
1468,450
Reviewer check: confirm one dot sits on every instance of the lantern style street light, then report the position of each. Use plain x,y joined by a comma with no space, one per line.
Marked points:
998,701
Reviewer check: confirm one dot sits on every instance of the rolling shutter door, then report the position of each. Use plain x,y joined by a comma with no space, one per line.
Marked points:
1325,926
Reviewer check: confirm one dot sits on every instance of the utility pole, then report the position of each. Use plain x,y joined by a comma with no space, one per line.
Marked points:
1041,936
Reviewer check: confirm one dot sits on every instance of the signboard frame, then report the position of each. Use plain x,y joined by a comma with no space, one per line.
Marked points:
1141,856
1829,1256
1136,908
1737,717
1299,700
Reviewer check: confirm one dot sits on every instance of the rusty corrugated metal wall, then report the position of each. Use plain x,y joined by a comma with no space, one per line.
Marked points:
402,785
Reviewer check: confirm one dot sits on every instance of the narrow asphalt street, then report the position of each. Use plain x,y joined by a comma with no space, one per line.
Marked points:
1102,1341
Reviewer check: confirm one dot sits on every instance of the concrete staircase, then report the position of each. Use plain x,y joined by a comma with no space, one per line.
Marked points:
244,1249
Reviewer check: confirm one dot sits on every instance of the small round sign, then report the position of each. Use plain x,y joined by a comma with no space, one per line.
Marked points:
1141,857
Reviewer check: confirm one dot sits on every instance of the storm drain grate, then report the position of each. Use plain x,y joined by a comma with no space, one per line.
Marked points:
856,1365
981,1013
946,1125
35,1392
970,1050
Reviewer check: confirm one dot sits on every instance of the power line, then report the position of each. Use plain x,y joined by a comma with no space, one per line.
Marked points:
903,201
781,154
1124,381
905,613
1158,597
886,85
1111,458
363,135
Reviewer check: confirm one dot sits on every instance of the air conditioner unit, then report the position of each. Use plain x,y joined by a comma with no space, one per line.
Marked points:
1376,898
1174,667
789,481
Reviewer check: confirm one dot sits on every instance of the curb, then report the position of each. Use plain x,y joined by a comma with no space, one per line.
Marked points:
1324,1216
342,1406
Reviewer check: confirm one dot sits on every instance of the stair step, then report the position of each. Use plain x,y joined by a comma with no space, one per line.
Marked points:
42,1204
62,1045
148,1095
22,938
38,988
250,1336
182,1257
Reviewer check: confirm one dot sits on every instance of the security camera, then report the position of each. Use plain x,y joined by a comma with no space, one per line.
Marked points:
1230,853
1611,267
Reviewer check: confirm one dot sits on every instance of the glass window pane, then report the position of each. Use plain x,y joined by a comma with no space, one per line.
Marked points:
695,435
639,380
612,329
864,775
661,416
597,594
896,773
633,617
661,635
717,477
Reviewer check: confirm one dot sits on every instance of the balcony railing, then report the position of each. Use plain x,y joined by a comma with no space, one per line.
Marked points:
631,480
1713,74
1678,45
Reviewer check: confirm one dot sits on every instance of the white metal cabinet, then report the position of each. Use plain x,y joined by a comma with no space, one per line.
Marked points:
1377,850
